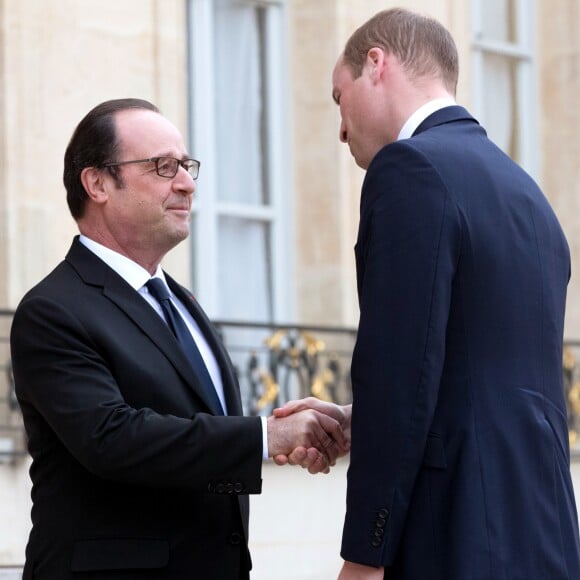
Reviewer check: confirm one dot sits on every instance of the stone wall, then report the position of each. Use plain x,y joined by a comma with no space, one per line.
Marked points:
59,60
326,180
559,121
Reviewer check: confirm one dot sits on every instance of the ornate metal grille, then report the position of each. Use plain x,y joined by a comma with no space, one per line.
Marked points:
274,364
12,439
278,363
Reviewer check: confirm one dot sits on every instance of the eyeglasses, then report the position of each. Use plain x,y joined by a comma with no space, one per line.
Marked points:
165,166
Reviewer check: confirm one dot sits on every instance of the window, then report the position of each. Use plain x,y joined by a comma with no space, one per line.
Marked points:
505,94
238,130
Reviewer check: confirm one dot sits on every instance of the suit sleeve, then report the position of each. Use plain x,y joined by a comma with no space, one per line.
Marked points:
407,251
70,397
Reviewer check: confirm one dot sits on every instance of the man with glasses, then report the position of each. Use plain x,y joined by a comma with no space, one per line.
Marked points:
142,462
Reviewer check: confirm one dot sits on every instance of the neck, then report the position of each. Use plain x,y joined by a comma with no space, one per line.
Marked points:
147,258
419,93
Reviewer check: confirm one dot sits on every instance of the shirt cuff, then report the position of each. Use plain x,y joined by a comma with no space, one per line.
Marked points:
264,437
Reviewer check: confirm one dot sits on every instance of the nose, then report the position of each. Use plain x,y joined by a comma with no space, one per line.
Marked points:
183,182
343,134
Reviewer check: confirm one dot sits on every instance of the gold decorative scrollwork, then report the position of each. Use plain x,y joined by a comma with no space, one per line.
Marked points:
568,359
293,355
271,390
319,385
572,392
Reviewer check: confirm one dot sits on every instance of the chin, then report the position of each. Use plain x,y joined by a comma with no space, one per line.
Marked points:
182,234
362,163
177,235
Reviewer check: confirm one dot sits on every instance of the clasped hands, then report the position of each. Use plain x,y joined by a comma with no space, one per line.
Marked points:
310,433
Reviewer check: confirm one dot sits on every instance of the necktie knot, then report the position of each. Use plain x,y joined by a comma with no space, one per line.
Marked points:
158,289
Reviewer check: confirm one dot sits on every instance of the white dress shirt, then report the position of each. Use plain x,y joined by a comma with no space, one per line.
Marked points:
136,276
421,114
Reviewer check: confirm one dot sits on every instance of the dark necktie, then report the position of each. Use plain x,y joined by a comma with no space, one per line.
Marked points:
160,292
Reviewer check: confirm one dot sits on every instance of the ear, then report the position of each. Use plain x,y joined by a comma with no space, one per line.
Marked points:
375,63
94,184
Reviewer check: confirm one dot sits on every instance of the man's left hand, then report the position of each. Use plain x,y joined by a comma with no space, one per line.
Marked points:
352,571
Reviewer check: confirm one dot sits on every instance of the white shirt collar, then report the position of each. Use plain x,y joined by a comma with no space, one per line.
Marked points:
421,114
134,274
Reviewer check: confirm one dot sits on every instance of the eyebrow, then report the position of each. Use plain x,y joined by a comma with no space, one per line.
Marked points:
166,154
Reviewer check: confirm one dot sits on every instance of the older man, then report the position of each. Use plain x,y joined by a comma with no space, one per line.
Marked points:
142,462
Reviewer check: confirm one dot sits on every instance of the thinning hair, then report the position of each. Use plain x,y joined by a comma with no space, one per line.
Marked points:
421,44
93,143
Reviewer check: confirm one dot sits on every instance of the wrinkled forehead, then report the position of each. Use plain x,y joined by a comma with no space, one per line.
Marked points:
141,130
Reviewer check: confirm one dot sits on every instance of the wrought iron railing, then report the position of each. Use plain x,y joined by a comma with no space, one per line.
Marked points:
274,363
12,440
278,363
571,369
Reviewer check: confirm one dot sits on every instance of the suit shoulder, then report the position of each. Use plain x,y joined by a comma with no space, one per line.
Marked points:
401,169
53,283
404,163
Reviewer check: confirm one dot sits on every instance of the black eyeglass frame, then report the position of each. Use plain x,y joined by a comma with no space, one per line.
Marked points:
190,165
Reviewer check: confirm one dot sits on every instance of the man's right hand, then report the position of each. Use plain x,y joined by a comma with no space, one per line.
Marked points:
310,458
312,439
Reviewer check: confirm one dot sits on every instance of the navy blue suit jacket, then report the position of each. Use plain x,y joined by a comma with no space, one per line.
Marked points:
460,458
133,477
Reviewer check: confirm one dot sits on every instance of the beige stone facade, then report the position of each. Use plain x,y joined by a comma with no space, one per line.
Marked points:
327,182
559,120
61,57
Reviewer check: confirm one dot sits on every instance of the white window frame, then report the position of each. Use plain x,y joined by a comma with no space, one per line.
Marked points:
207,207
523,53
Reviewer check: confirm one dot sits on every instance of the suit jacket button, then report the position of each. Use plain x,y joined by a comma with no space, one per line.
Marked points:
381,522
211,487
383,513
238,488
230,488
235,538
376,543
379,532
220,488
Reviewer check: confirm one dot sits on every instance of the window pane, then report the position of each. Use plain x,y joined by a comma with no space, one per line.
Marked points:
239,102
499,20
245,291
501,113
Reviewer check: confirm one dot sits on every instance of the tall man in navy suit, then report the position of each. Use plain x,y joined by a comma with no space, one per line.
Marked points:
141,461
459,466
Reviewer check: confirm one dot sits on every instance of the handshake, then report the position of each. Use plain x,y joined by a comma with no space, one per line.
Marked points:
310,433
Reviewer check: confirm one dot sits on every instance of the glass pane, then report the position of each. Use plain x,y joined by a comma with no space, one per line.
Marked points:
245,273
499,19
501,113
240,116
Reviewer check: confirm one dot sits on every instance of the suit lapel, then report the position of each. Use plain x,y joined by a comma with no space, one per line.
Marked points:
95,272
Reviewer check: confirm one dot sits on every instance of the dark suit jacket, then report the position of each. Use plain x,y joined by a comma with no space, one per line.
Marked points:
132,476
460,460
